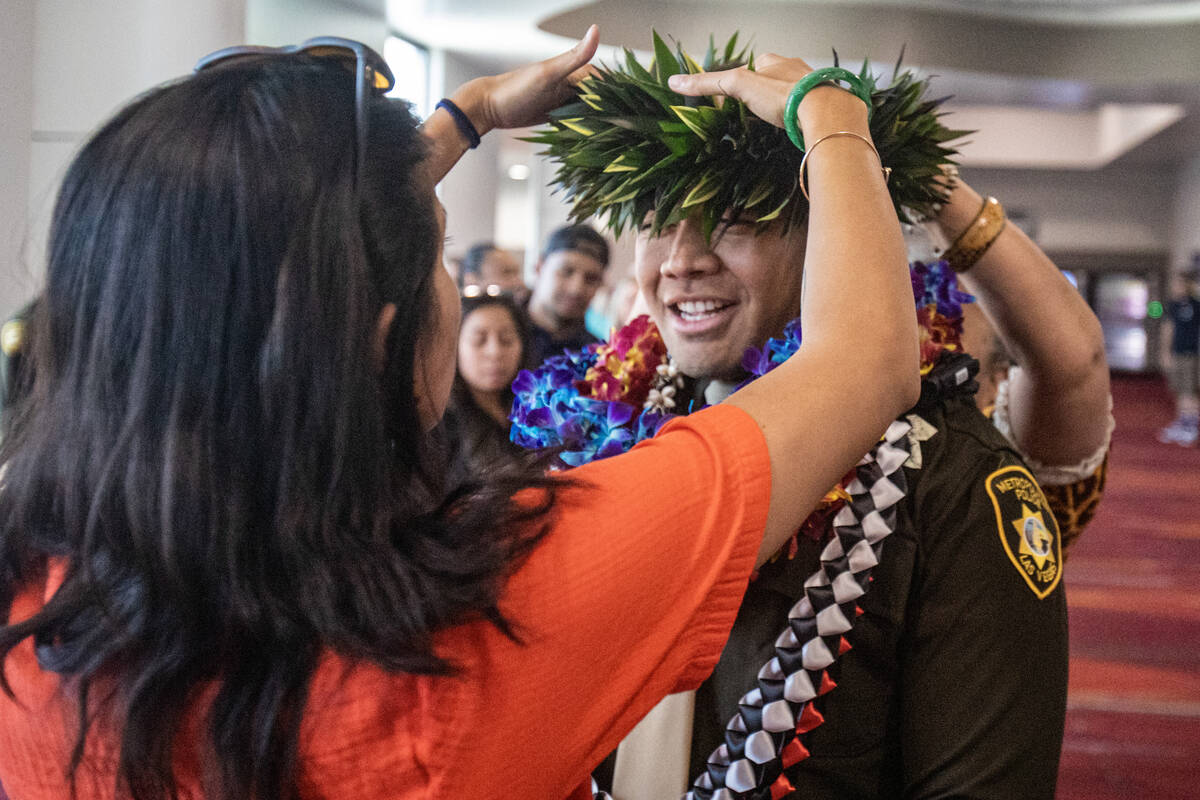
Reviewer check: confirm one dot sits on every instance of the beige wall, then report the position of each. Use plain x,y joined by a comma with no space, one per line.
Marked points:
16,124
68,64
1185,221
1116,209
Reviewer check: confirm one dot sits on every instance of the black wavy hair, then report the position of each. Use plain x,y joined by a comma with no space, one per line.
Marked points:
233,486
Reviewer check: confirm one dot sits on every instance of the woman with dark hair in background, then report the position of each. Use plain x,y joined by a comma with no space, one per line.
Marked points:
228,568
492,340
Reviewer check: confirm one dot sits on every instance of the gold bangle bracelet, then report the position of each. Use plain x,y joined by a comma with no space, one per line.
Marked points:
887,171
973,242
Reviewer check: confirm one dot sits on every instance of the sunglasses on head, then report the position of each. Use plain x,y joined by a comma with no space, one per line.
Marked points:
371,74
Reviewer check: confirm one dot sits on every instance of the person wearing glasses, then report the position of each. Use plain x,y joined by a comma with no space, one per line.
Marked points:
229,569
489,268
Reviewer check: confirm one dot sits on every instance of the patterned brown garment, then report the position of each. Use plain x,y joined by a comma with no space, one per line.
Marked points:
1074,504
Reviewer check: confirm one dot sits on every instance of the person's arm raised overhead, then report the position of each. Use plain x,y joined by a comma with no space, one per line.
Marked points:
1058,407
515,99
858,367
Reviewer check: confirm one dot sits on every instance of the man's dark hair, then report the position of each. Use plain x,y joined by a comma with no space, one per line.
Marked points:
472,262
232,485
579,238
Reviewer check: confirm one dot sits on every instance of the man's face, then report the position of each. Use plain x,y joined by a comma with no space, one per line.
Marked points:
500,268
712,301
567,281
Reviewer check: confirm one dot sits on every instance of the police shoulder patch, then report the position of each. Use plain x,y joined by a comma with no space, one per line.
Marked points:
1027,527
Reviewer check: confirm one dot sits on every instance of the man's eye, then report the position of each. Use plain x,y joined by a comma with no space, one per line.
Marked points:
738,223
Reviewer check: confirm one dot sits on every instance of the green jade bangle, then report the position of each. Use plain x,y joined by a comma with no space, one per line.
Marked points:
807,84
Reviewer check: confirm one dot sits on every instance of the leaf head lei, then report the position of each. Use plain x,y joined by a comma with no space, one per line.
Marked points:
629,146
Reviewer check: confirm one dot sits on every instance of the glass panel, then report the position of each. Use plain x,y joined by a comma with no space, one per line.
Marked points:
410,65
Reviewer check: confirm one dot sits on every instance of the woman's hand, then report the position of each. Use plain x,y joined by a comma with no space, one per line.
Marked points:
765,91
525,95
515,99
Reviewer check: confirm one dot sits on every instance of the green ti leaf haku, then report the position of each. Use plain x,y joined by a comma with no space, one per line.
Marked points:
630,149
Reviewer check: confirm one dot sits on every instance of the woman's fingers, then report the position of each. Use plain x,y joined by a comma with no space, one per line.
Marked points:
523,96
567,63
698,83
766,61
776,66
764,95
586,71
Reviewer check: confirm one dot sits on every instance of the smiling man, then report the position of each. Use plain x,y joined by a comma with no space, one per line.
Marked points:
950,676
713,299
934,698
712,302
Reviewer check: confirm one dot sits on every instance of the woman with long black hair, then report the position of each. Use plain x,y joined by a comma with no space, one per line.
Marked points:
227,569
492,341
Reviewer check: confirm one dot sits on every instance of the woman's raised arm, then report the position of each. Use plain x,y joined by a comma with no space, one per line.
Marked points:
858,367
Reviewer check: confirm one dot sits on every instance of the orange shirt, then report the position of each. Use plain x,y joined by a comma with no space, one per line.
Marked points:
629,598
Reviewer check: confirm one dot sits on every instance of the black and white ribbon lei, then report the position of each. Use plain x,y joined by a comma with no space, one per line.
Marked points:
766,735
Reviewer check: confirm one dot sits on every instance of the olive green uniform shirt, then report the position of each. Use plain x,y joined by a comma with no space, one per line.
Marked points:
956,684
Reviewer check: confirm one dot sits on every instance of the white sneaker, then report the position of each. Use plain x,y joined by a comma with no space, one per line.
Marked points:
1184,431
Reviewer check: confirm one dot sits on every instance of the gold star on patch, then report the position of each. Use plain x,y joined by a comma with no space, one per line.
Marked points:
1036,540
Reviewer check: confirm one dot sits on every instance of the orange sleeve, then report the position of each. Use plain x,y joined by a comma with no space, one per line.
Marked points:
629,598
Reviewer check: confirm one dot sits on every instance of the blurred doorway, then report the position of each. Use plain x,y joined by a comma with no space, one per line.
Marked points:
1121,301
1126,292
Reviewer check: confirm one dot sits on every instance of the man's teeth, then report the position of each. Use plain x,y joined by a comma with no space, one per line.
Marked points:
698,309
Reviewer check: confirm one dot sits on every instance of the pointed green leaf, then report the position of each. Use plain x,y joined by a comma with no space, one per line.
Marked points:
776,212
665,64
575,125
708,186
635,67
620,165
761,192
687,62
619,195
693,119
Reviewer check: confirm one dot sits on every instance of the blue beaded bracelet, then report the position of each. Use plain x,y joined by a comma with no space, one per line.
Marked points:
462,121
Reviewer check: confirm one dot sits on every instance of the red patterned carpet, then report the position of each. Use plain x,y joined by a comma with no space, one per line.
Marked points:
1133,587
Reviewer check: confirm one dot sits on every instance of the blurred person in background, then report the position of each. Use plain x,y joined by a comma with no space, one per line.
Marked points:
569,272
485,265
1183,360
492,340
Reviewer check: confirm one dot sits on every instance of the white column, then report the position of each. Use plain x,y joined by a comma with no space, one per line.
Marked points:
88,58
16,122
